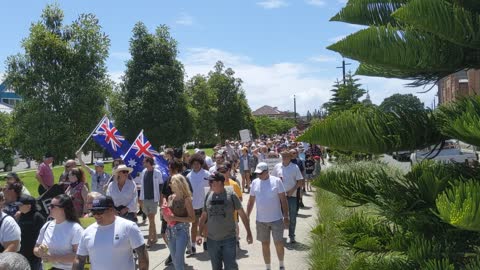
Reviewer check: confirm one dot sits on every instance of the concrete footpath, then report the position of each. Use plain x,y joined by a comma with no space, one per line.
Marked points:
249,256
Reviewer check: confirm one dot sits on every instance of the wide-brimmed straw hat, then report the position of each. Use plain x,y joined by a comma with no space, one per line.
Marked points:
120,168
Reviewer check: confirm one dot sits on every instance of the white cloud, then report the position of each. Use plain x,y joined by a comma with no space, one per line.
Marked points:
272,85
317,3
275,84
116,76
323,58
336,39
184,19
342,1
271,4
120,55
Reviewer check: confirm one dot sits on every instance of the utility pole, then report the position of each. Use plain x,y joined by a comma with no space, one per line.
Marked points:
295,108
343,69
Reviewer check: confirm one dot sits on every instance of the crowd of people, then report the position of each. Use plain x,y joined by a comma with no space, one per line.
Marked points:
200,203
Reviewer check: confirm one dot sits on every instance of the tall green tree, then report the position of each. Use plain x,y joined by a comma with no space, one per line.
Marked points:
202,100
403,100
233,113
62,78
271,126
6,148
345,95
152,94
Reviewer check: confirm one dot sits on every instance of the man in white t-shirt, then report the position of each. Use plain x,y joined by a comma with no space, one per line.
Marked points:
292,179
110,241
197,180
272,212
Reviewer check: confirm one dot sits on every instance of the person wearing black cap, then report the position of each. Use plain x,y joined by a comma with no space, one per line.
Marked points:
110,242
45,174
218,215
30,222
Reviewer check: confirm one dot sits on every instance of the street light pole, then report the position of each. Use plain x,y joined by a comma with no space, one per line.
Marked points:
295,108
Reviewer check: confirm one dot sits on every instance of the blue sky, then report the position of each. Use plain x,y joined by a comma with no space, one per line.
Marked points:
277,47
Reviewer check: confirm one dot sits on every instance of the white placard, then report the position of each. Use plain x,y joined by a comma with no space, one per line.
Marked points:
245,135
272,162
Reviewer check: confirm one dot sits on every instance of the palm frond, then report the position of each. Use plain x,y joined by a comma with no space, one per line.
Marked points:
369,12
461,119
400,49
420,78
366,233
446,20
371,130
460,205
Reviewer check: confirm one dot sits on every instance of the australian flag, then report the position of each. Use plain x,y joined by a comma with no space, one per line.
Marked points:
108,137
141,148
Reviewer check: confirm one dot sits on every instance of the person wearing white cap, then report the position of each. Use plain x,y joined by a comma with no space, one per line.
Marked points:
99,176
272,212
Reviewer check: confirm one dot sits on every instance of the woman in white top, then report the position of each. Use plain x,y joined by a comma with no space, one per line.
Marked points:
58,239
124,193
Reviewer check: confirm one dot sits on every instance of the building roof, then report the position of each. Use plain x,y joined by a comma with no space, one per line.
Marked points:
267,110
4,93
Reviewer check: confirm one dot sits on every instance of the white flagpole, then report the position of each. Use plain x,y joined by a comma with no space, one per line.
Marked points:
91,133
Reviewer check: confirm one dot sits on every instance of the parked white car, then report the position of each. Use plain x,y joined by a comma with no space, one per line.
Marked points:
453,151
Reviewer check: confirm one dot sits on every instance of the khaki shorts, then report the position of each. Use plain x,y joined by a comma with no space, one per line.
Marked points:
150,207
264,229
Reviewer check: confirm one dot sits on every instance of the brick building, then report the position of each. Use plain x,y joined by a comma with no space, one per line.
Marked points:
459,84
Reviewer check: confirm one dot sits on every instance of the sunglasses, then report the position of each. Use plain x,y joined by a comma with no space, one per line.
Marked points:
222,171
97,212
51,206
124,172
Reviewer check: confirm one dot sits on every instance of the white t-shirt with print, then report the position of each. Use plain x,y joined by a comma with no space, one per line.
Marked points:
9,231
289,174
59,239
111,246
198,182
266,197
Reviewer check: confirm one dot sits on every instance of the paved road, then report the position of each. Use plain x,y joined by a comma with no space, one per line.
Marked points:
250,256
403,166
22,165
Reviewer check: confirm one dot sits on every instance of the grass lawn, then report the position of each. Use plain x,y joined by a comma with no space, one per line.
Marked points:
208,151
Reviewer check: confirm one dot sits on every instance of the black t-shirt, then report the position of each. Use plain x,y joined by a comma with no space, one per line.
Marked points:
309,166
148,185
30,225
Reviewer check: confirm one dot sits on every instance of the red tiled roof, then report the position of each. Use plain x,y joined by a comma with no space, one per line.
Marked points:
267,110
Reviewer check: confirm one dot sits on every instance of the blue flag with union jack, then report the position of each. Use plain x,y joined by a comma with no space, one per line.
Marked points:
141,148
108,137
